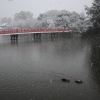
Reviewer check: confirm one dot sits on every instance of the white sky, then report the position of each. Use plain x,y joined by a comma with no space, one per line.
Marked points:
9,7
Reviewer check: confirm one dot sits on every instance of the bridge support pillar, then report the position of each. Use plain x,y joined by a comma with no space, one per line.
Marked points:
53,35
14,37
37,36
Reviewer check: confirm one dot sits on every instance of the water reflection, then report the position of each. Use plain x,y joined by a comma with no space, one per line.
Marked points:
95,63
14,41
32,69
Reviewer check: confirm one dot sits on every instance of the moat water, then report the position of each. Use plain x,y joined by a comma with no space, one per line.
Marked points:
32,69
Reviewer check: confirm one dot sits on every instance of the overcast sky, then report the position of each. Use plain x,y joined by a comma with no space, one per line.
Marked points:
9,7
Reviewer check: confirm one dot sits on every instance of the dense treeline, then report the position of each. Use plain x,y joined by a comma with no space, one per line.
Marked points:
93,14
89,25
53,18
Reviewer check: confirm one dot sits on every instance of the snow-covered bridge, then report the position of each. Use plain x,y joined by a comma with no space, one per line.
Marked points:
36,31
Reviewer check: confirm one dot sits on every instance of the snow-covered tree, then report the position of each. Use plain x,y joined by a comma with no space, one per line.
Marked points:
5,20
23,15
23,19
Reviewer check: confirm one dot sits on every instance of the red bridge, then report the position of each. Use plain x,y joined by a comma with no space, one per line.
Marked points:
33,30
36,31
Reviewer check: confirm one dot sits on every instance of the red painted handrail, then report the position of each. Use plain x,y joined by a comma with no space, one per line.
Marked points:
12,31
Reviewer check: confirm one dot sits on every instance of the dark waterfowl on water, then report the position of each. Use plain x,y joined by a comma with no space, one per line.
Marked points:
65,80
78,81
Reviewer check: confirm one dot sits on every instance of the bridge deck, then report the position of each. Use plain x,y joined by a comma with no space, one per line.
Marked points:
33,30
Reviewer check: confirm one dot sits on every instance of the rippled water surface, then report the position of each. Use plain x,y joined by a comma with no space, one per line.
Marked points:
32,69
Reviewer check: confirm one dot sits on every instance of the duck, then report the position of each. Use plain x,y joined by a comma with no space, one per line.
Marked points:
65,80
79,81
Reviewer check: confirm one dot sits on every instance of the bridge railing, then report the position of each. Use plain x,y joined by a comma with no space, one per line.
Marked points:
28,30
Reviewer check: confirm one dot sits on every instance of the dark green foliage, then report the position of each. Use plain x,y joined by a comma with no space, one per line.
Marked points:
94,15
90,30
